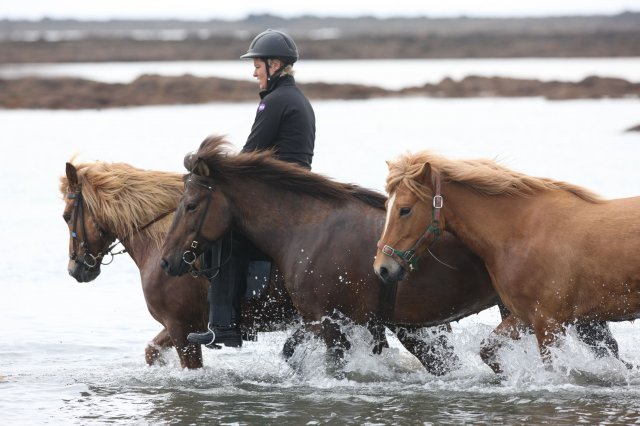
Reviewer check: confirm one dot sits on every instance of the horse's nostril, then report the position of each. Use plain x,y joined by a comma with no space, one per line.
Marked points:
164,264
384,272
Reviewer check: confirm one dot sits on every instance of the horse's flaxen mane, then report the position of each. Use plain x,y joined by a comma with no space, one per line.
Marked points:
484,176
124,198
262,166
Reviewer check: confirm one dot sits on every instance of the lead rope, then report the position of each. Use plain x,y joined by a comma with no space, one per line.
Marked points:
440,261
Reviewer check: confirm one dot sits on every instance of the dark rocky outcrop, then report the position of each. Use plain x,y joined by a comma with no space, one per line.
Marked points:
74,93
474,86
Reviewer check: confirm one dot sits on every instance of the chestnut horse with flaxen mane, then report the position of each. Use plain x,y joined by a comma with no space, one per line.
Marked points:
557,254
109,201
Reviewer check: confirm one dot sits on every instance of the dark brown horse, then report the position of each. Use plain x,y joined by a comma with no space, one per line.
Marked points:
557,254
109,201
321,235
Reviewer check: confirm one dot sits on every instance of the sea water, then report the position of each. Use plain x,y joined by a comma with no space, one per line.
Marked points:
390,74
73,353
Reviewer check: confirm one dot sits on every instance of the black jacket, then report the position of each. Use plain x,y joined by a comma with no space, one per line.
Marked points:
284,122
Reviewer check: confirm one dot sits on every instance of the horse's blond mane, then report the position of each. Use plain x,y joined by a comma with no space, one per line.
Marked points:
482,175
124,198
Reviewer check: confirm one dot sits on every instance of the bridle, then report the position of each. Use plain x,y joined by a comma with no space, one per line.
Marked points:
408,258
190,256
88,259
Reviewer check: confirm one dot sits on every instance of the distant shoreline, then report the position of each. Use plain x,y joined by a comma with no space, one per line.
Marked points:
318,38
472,46
366,37
76,94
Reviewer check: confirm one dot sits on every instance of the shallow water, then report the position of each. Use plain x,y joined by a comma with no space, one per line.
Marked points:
391,74
73,353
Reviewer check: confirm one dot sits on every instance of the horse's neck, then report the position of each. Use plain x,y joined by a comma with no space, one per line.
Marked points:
281,223
139,247
483,222
270,217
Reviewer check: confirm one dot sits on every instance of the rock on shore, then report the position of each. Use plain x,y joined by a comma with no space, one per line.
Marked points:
74,93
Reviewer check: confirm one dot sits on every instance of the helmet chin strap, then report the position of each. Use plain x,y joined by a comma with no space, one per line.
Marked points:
276,72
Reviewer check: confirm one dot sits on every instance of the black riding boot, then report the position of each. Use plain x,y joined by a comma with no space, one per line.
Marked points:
225,291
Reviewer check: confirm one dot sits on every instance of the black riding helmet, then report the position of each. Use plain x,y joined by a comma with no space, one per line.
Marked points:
273,44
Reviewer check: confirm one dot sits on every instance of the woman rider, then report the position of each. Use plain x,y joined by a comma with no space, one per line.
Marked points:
284,123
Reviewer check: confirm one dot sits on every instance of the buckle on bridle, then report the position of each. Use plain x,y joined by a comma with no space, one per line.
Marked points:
438,202
409,255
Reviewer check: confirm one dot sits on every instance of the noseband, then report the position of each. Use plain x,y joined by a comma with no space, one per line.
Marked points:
408,258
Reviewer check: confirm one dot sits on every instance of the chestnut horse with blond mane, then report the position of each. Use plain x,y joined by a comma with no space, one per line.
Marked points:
109,201
557,254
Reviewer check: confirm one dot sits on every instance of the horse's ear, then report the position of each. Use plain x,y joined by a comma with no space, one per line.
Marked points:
201,168
425,173
72,174
388,164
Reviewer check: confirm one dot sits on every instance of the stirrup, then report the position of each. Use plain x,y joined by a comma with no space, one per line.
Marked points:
230,336
206,338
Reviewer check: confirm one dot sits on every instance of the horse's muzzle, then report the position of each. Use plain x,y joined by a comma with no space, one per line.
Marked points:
390,271
82,273
174,269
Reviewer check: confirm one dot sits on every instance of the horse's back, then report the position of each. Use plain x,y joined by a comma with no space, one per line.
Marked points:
613,224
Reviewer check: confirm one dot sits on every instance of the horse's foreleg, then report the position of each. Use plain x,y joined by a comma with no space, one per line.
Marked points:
436,354
152,351
190,354
597,335
297,337
380,342
337,343
547,332
510,327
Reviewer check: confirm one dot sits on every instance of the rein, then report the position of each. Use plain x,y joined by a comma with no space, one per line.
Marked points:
142,228
408,258
89,259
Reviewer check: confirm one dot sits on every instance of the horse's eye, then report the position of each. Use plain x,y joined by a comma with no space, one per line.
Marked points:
191,207
405,211
66,217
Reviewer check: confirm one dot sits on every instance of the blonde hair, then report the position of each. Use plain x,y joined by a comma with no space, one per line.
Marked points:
484,176
124,198
288,70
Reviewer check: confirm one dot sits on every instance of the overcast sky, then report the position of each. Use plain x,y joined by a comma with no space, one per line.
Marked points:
238,9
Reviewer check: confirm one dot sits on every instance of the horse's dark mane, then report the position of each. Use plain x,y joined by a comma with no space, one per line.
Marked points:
262,166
